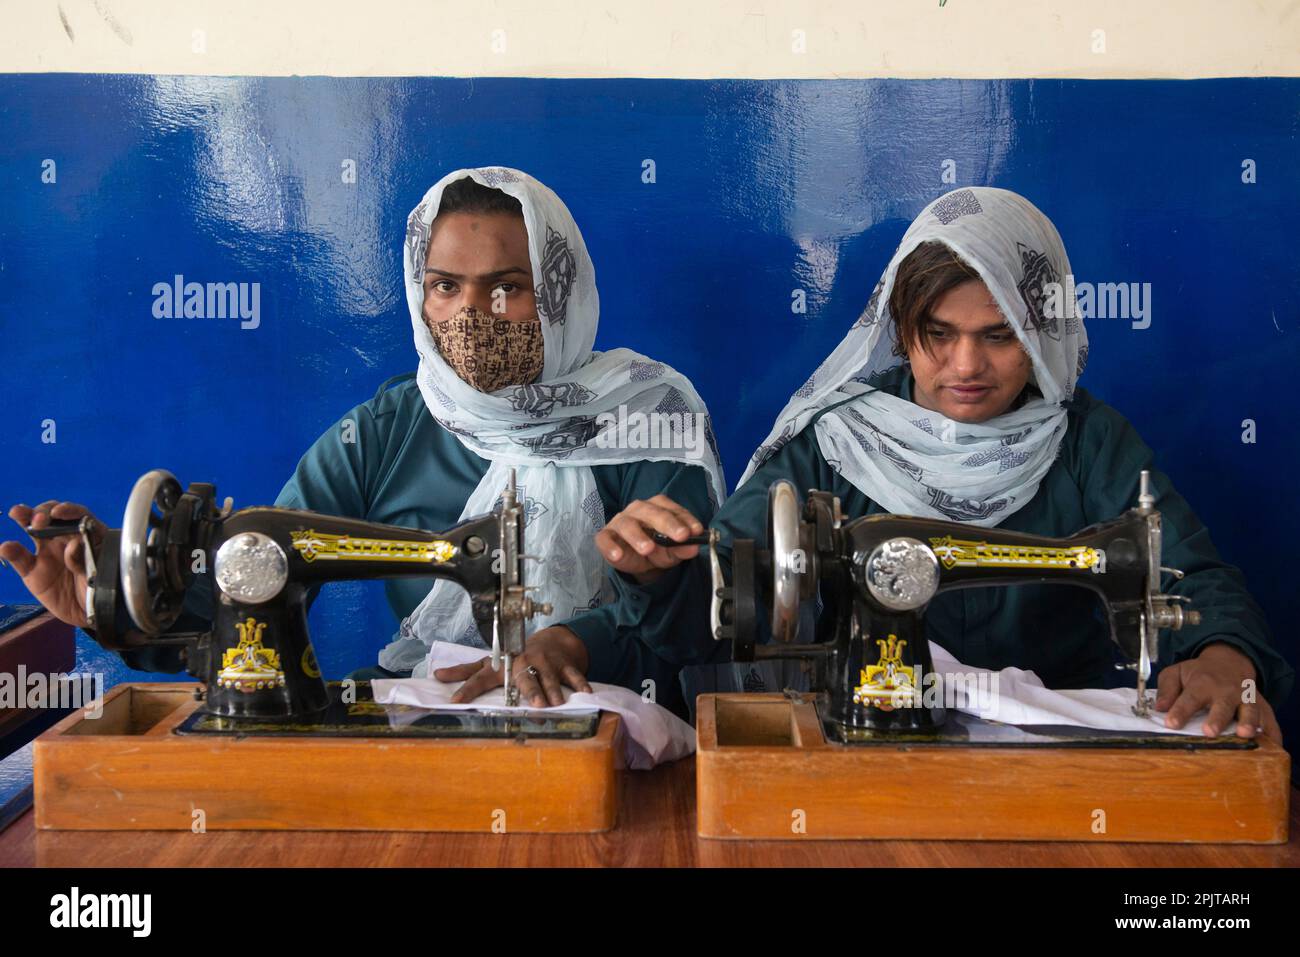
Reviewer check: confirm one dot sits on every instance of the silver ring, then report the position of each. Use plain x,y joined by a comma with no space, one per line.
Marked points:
137,536
530,670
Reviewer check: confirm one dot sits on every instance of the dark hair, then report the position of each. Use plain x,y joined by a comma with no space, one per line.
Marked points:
924,275
467,196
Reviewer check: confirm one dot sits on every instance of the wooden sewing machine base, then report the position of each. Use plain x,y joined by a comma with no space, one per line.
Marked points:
129,770
766,770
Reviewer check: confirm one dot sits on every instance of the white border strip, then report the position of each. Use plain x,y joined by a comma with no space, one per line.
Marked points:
656,38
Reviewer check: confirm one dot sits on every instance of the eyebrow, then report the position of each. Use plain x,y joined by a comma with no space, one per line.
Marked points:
991,327
486,277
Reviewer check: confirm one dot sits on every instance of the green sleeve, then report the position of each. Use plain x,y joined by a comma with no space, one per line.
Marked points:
624,637
1113,455
680,604
334,475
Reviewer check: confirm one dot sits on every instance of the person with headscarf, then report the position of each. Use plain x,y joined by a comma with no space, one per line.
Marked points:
504,310
954,396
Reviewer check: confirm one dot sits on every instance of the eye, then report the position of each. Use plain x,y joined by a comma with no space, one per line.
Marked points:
999,337
506,287
937,332
444,286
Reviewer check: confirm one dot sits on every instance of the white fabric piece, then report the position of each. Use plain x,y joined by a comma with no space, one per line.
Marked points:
1022,699
655,735
651,733
546,430
913,461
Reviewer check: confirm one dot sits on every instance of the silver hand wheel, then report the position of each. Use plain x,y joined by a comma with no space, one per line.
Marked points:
787,560
141,548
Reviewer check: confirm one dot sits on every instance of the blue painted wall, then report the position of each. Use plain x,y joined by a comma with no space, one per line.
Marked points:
761,187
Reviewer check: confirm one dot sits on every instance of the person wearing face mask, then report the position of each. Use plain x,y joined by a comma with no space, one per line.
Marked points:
504,310
954,396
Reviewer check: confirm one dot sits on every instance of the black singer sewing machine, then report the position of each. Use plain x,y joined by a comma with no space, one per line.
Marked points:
882,572
265,742
872,752
257,661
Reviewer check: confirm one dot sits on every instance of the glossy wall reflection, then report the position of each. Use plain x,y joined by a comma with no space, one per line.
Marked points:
761,189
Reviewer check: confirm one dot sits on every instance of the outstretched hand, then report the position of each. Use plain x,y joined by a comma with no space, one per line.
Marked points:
56,573
627,545
1217,679
552,658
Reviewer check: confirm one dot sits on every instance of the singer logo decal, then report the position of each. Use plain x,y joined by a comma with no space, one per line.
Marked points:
250,666
954,553
312,545
889,683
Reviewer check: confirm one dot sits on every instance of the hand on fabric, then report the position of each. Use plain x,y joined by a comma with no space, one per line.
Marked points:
56,573
1214,678
557,653
626,543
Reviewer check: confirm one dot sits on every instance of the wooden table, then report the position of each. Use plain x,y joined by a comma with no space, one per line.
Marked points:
656,829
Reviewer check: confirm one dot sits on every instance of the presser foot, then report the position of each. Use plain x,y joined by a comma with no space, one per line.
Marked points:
1145,703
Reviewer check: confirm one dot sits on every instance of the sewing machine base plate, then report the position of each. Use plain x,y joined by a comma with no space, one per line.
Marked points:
133,768
766,769
963,730
358,716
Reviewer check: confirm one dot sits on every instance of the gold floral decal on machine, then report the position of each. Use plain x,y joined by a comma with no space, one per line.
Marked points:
250,666
889,683
312,545
954,552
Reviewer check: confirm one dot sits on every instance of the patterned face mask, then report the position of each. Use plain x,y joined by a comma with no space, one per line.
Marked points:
489,352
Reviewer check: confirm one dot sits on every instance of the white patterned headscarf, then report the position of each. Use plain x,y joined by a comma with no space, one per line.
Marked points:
911,460
547,430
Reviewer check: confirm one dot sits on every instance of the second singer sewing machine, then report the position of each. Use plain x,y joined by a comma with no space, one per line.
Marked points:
265,742
872,751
